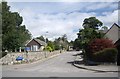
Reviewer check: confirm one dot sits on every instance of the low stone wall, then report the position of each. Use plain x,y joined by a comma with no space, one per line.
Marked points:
10,58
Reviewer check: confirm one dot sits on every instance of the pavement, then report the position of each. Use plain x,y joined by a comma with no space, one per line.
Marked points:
99,68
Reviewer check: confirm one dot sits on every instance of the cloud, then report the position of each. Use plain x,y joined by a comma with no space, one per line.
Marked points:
109,18
55,24
62,22
62,0
101,5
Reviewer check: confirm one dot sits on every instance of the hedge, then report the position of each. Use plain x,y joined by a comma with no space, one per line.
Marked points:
106,55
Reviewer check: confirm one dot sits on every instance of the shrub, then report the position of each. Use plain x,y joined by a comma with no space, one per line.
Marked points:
48,48
99,49
50,45
99,44
106,55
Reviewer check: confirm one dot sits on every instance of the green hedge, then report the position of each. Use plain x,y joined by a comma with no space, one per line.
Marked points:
106,55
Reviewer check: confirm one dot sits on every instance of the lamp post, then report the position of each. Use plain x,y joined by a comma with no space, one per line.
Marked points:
46,44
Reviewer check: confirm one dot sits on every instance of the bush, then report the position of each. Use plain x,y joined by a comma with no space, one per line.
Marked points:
101,50
51,46
100,44
106,55
48,48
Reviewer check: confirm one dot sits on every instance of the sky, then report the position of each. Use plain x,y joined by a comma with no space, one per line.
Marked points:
58,18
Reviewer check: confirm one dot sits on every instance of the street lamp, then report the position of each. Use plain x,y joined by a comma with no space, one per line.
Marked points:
46,44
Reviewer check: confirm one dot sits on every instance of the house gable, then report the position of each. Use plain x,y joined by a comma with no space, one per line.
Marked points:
35,45
33,42
113,33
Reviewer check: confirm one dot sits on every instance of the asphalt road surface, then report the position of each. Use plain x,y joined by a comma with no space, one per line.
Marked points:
59,66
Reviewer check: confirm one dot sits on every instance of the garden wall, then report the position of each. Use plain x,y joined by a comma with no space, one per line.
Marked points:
10,58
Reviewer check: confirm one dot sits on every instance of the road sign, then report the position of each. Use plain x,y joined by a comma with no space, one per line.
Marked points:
19,58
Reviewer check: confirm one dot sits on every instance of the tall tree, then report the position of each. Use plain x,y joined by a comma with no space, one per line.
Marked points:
64,42
71,43
61,42
90,31
64,38
92,22
77,44
41,38
56,44
88,34
14,34
104,28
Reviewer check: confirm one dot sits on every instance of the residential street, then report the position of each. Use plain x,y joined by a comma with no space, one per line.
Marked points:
59,66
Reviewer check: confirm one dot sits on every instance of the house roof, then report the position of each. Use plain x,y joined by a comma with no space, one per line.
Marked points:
37,40
112,27
106,31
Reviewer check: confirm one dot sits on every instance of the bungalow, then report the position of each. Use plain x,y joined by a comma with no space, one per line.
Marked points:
35,45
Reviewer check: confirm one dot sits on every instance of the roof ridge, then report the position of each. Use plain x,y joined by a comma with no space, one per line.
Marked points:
38,40
112,26
116,25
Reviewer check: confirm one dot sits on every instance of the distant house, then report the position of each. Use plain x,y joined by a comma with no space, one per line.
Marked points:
70,48
35,45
